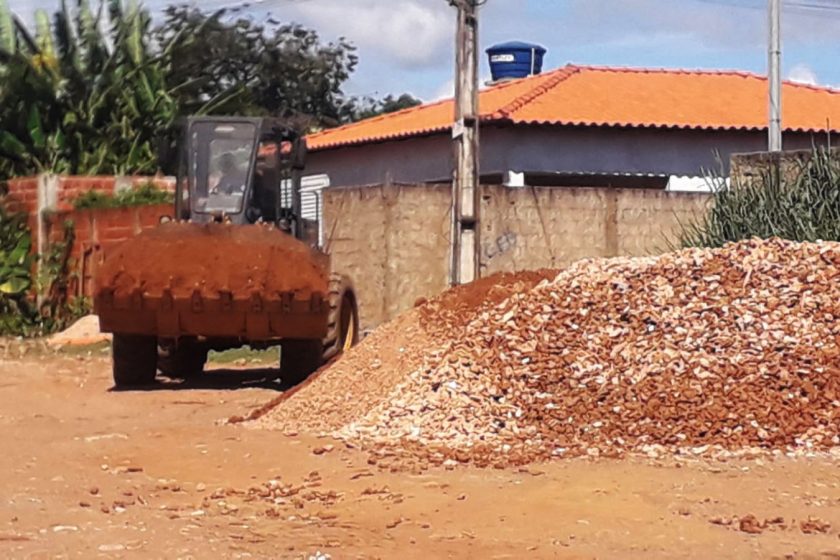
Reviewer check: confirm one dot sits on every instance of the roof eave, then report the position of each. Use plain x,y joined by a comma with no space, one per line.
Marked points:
498,119
486,120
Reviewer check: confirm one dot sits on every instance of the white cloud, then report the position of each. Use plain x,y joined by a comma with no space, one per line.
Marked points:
412,33
445,91
803,74
636,21
712,25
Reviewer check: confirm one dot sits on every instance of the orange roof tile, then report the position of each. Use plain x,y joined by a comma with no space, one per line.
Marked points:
602,96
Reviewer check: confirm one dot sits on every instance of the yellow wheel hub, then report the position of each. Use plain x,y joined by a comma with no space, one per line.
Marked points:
350,334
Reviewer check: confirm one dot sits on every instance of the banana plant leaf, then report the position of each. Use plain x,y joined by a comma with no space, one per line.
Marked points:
10,146
15,286
8,40
36,128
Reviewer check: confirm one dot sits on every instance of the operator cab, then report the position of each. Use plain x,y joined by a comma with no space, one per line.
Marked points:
240,171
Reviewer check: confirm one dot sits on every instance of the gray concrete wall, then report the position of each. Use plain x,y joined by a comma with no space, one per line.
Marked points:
393,241
601,150
747,168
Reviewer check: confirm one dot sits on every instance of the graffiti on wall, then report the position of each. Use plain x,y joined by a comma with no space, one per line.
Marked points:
500,245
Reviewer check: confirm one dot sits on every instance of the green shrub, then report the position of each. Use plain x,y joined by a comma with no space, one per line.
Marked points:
804,207
56,268
145,194
92,199
17,313
20,313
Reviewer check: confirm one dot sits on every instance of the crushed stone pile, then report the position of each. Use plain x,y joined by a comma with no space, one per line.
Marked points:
696,350
365,376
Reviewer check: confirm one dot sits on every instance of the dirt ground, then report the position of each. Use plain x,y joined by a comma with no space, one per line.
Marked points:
93,473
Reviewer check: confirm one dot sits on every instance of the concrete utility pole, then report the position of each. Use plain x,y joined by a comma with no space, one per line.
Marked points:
466,248
774,140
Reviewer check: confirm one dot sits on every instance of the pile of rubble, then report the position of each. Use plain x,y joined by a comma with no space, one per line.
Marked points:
365,377
731,349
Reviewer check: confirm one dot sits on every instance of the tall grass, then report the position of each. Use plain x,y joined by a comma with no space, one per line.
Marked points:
801,206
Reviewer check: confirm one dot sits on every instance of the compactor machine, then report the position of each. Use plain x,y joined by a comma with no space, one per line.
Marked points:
237,265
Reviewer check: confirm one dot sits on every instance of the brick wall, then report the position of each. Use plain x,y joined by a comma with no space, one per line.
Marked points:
22,193
96,230
393,241
71,188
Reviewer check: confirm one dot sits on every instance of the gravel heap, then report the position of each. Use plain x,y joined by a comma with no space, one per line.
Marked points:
733,349
365,376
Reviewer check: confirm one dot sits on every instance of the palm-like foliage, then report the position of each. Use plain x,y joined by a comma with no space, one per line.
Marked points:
85,94
94,89
16,262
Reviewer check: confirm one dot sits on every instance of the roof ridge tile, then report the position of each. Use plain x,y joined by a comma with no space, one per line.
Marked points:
812,113
702,72
560,75
665,70
381,117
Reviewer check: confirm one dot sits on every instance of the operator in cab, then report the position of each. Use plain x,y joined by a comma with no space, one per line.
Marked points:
233,178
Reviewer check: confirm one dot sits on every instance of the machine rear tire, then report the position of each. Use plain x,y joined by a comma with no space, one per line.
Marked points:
343,321
134,360
183,359
299,359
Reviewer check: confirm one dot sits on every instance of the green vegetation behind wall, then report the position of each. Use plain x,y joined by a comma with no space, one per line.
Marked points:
145,194
22,313
802,205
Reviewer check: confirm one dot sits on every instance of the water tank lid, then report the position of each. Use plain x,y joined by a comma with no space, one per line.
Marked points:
515,46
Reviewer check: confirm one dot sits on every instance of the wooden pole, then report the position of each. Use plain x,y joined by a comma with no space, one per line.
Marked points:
774,55
465,265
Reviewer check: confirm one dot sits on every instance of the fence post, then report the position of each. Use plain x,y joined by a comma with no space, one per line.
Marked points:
122,183
47,201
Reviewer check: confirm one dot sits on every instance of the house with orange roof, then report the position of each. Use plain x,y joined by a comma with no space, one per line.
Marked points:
583,126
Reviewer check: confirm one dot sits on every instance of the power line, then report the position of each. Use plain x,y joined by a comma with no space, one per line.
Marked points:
792,5
239,6
825,4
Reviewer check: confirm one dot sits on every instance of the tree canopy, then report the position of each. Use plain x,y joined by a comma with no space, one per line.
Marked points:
94,90
78,95
278,69
368,107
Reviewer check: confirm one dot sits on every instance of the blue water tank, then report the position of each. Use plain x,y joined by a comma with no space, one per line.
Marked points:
515,59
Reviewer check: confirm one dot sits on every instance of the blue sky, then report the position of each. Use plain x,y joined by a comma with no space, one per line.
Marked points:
406,45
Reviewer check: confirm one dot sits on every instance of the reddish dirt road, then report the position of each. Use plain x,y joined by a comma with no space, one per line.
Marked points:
91,473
